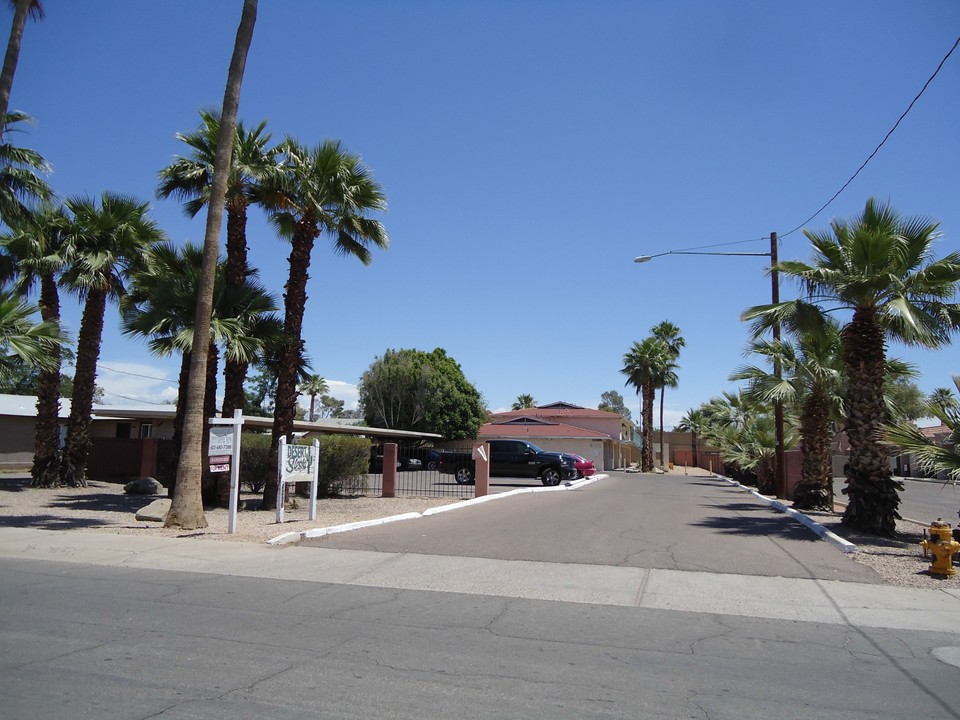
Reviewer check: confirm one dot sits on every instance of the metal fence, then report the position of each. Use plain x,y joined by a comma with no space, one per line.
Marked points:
418,473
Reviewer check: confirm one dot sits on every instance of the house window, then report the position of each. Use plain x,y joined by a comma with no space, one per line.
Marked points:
146,430
123,430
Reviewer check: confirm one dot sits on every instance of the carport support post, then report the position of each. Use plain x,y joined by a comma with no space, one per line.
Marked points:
389,470
481,457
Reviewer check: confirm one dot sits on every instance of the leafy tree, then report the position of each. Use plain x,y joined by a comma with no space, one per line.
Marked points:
330,407
880,267
422,392
612,401
321,189
22,9
524,402
186,508
107,239
190,179
904,398
259,396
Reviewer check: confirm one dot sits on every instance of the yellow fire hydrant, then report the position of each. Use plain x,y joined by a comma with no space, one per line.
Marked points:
942,546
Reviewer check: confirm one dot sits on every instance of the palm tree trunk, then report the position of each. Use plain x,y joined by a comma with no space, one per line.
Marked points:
648,399
47,435
815,489
73,471
12,56
168,473
295,299
872,492
235,371
186,509
663,455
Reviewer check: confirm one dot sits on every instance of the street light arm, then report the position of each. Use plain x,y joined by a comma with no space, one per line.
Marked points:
648,258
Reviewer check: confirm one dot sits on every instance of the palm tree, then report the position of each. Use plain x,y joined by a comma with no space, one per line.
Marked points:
38,252
21,184
189,179
524,402
693,423
21,10
669,334
879,266
107,241
943,398
314,385
160,307
23,341
645,364
321,189
186,509
934,458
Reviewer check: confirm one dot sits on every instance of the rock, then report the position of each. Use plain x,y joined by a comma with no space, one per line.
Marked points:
155,511
143,486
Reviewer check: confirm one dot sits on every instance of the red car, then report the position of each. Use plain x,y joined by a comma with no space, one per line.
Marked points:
584,467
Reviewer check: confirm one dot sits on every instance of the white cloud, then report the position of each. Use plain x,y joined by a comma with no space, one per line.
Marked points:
125,382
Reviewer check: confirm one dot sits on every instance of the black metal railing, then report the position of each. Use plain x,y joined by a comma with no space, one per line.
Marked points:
418,474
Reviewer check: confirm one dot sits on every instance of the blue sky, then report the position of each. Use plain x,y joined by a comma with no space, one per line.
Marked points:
529,151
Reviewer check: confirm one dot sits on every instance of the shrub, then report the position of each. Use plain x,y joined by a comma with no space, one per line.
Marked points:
344,463
254,450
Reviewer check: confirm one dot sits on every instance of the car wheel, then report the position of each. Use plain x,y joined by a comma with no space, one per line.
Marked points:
432,465
550,476
464,475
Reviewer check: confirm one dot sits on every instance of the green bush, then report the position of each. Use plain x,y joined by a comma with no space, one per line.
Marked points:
344,463
254,449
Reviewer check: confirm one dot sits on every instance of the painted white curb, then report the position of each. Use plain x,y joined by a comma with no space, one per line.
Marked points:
822,532
292,537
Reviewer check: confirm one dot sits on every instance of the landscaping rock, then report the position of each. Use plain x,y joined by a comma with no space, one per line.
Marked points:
143,486
155,511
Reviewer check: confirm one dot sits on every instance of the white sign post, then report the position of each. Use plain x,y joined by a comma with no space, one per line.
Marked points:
298,463
224,455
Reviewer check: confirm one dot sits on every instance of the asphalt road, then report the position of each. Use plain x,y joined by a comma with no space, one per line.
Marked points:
628,520
108,642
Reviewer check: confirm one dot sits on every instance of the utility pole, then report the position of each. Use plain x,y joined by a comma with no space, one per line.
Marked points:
780,475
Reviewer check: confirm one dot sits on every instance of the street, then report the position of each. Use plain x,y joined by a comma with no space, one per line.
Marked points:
108,642
921,500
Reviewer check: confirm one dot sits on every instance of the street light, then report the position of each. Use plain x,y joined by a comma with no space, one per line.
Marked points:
779,473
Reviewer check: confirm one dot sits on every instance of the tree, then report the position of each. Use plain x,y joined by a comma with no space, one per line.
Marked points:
669,334
106,241
934,458
186,509
22,9
612,401
313,386
524,402
422,392
190,178
330,407
321,189
693,423
943,398
880,267
22,186
38,254
644,364
22,340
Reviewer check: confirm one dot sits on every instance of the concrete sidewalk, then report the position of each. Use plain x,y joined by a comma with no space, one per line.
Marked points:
825,601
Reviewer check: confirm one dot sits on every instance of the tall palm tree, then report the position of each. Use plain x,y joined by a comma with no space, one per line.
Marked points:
39,253
880,267
186,508
22,9
943,398
22,186
160,307
189,179
523,402
644,364
669,334
107,241
321,189
693,423
314,385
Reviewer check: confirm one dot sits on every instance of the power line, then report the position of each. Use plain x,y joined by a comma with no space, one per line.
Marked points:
148,377
882,142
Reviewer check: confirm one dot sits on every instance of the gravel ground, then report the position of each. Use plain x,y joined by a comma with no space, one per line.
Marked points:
103,507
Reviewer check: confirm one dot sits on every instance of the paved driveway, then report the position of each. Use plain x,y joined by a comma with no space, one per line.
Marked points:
671,522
